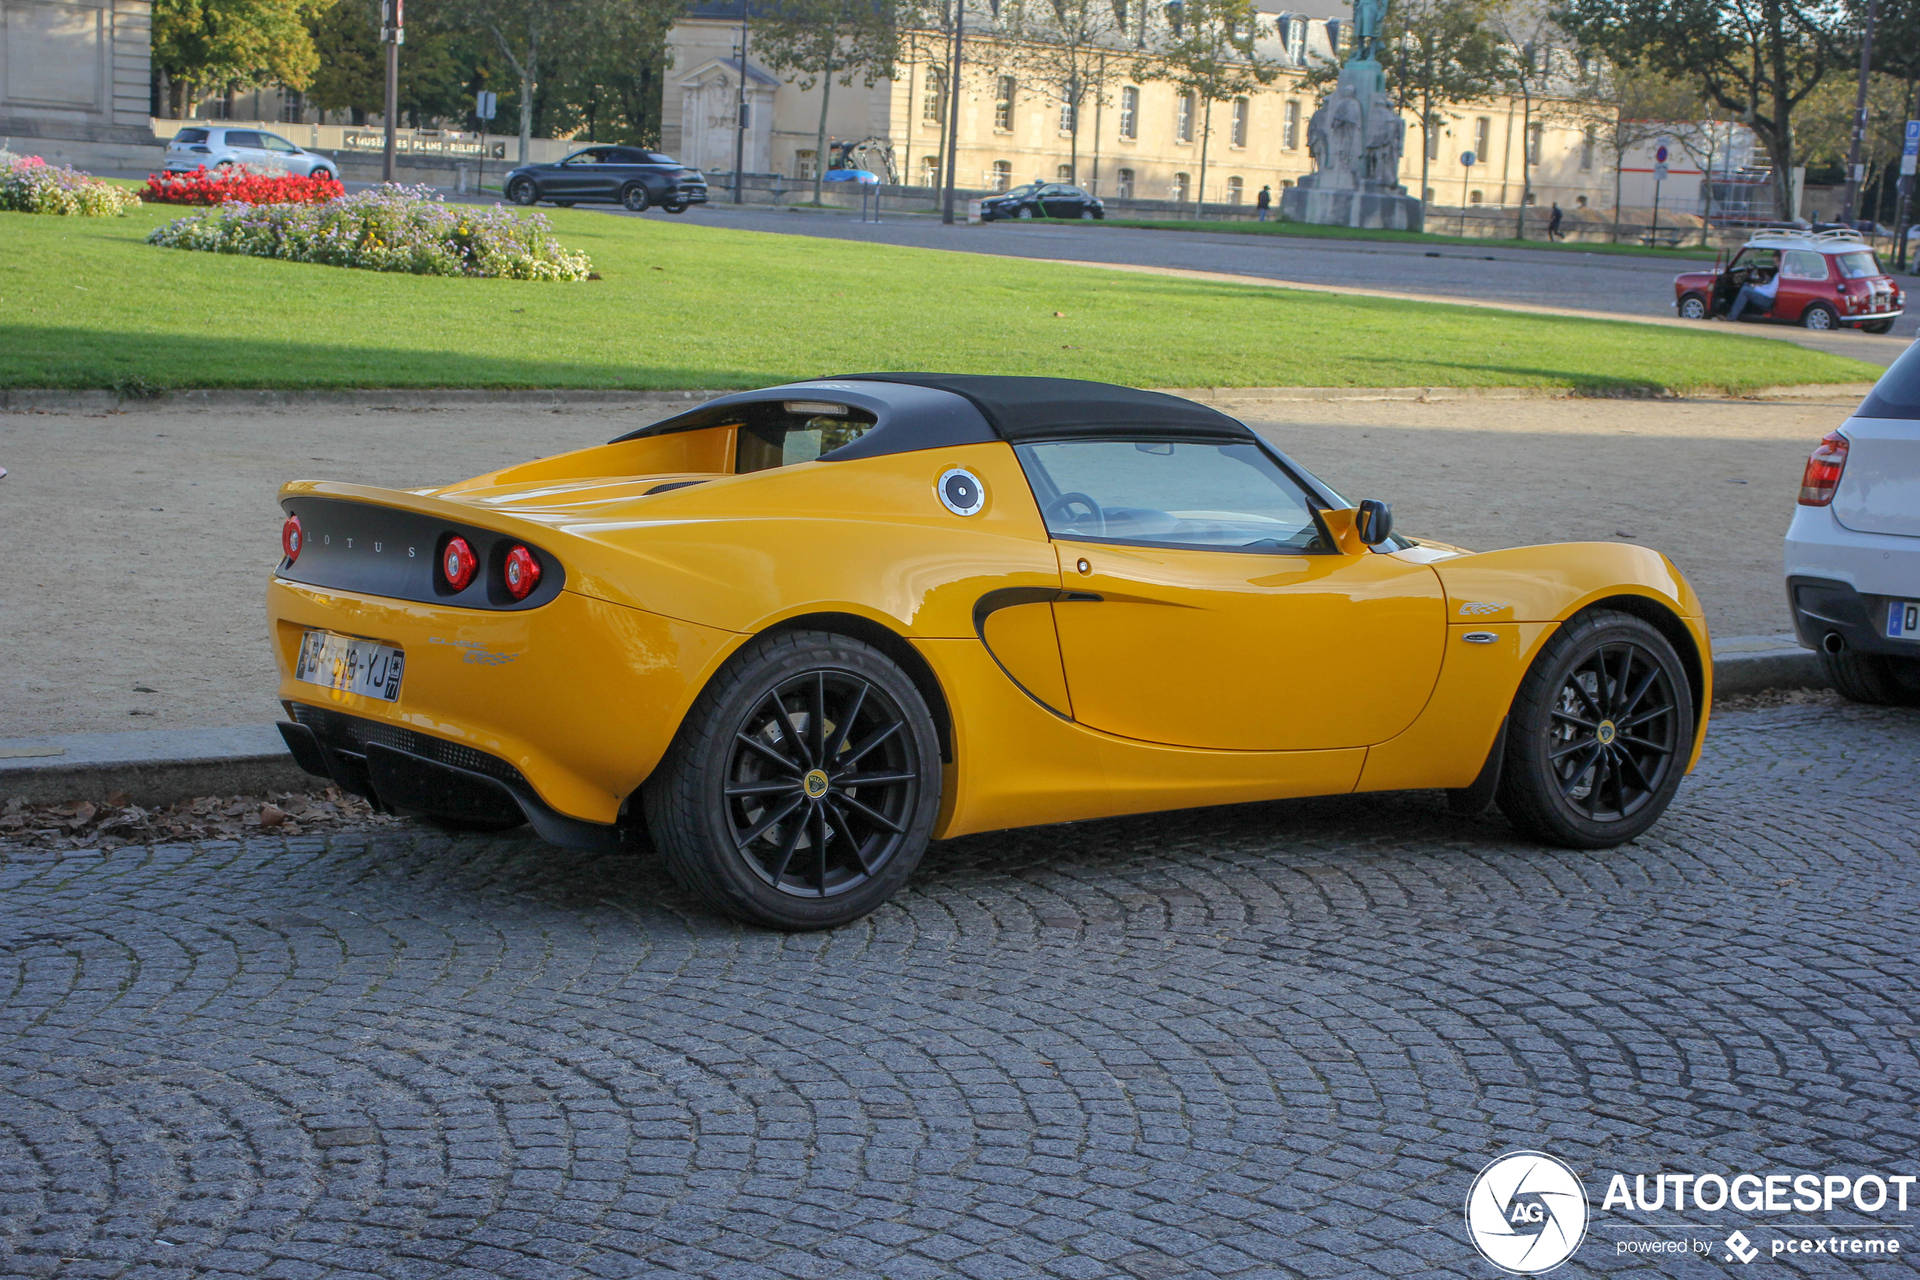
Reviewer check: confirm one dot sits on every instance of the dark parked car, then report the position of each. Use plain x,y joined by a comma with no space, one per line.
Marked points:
1042,200
629,175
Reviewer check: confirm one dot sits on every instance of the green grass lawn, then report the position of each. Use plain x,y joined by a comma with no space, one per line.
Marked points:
85,303
1311,231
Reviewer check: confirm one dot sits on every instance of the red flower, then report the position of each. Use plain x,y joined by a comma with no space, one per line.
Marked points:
203,188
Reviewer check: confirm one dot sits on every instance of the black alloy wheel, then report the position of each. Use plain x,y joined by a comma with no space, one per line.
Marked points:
634,197
1600,733
802,787
523,191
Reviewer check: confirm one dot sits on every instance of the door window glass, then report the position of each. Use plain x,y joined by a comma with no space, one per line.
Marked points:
274,142
243,138
1217,496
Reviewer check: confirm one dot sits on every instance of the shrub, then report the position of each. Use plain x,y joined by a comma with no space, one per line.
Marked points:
29,184
388,228
244,185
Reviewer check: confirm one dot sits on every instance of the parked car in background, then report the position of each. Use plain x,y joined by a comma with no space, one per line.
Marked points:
630,176
1042,200
1853,549
218,147
1828,280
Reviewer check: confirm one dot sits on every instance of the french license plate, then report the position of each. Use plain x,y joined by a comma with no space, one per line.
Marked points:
340,662
1903,619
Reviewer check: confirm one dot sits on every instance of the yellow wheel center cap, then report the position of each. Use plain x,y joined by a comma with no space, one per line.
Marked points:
1605,733
815,784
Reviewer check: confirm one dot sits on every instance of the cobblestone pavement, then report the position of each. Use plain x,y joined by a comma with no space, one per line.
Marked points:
1276,1040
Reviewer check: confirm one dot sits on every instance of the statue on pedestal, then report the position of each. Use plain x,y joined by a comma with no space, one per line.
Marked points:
1356,138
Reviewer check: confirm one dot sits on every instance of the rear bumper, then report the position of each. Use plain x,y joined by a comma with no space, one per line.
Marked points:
408,772
1824,607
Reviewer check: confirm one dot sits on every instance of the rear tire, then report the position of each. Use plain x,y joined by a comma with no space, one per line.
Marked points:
1599,734
1873,678
753,807
1877,326
321,174
1819,316
634,197
1026,213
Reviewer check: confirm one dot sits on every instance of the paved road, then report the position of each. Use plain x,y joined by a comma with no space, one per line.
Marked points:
1274,1041
1608,284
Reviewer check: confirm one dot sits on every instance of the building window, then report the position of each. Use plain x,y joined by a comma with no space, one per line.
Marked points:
1002,175
1428,197
1066,118
1433,143
1003,104
1064,173
1588,141
929,171
1481,128
803,165
1236,188
1182,185
1129,113
933,107
1240,109
1123,185
1183,118
1534,133
1475,197
1290,127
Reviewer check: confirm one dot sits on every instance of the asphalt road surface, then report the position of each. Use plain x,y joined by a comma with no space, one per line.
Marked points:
1605,284
1273,1041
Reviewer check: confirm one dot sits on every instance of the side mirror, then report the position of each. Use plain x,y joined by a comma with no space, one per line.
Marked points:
1374,522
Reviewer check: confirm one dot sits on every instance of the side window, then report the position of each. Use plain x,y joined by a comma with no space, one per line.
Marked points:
1228,496
243,138
274,142
1804,264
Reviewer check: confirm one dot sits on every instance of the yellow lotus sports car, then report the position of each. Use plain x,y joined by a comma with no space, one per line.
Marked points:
797,633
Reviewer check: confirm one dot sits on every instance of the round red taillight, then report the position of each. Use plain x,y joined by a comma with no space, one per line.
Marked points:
290,539
522,573
457,563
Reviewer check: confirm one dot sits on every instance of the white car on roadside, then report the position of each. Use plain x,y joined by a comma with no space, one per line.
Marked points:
1853,549
218,147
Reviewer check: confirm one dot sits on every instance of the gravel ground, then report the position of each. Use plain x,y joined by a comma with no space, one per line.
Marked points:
138,543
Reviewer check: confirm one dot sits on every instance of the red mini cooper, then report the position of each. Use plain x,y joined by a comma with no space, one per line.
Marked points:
1828,280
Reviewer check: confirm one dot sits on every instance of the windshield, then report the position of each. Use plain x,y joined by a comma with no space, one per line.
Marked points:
1857,265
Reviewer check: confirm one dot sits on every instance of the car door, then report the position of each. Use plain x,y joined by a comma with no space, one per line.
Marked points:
575,176
1803,280
244,147
1206,605
281,153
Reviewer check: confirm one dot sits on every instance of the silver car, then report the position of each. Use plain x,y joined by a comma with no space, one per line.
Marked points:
217,147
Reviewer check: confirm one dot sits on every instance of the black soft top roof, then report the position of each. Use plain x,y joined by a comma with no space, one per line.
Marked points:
1030,408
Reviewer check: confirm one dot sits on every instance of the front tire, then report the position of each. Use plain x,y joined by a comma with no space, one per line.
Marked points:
1873,678
802,788
1599,734
1819,316
523,192
1693,307
634,197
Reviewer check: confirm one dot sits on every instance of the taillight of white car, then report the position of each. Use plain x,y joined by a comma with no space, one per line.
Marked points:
1822,475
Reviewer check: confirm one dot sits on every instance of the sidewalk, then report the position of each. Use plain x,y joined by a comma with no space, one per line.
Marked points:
140,540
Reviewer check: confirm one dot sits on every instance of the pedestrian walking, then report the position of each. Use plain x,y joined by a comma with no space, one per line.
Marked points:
1553,223
1264,202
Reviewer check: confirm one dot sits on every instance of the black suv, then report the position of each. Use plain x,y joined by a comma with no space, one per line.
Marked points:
629,175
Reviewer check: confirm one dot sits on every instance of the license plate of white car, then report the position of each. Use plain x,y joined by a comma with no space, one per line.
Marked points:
348,665
1903,619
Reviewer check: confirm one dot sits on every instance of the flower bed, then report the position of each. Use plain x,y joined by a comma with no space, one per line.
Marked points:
389,228
223,185
29,184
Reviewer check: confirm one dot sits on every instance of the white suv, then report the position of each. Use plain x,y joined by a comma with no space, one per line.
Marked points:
1853,549
215,147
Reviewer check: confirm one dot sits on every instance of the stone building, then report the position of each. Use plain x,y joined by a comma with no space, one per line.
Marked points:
1140,139
75,71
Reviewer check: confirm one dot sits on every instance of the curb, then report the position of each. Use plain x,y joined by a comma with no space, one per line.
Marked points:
161,766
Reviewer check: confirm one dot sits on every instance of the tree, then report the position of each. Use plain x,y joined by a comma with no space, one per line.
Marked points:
1632,104
234,44
612,71
1527,40
1757,59
524,32
1062,49
1207,51
824,41
1436,54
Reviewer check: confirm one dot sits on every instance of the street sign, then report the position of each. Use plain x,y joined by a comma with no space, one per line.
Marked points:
1660,155
1467,159
1911,153
486,104
1660,170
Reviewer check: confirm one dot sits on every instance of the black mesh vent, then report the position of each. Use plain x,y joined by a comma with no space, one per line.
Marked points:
338,732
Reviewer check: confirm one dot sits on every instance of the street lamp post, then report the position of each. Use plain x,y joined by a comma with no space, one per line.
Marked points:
1854,167
740,122
394,32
